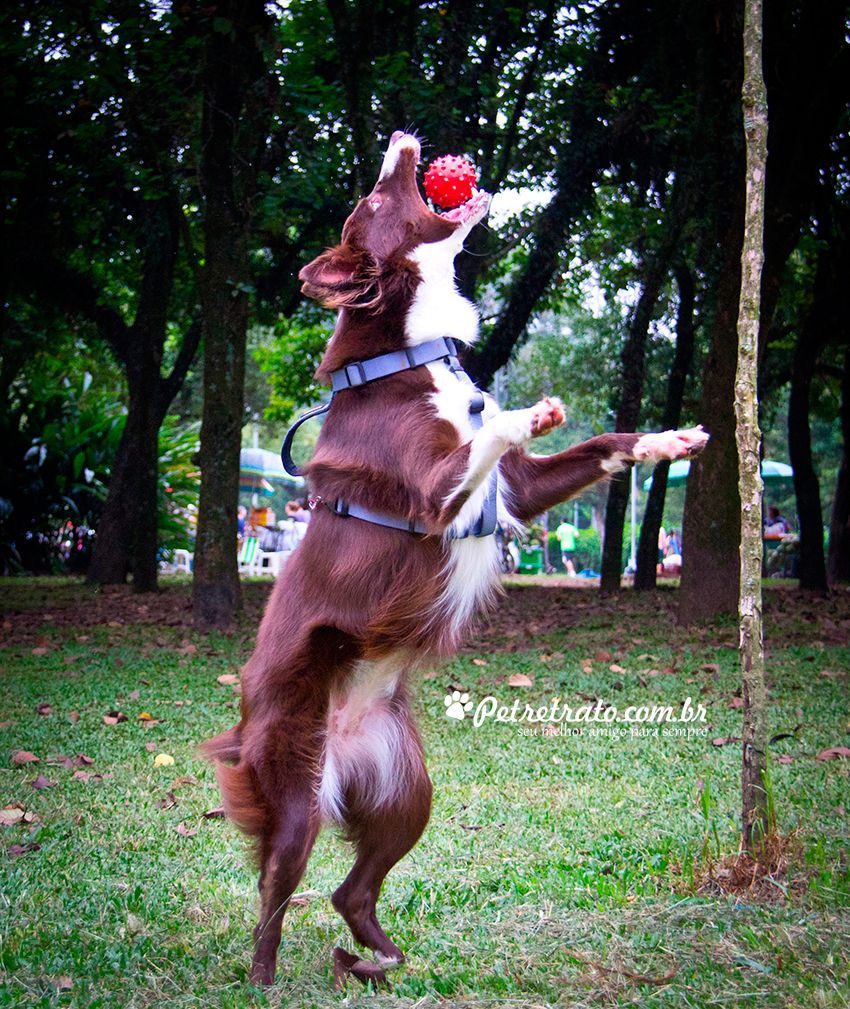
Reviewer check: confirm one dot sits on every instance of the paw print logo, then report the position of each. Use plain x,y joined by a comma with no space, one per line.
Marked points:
457,705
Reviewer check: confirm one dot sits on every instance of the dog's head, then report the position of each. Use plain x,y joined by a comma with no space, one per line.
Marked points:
379,252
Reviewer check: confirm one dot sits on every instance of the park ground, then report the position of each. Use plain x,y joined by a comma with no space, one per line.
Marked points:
592,867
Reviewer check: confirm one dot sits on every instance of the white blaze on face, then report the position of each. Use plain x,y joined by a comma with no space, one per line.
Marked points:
398,142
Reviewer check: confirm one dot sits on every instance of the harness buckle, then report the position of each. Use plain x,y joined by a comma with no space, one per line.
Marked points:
356,374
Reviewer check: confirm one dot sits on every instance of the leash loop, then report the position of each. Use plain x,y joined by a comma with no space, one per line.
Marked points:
286,449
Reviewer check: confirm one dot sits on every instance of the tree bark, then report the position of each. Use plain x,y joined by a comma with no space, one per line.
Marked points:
237,90
711,528
812,566
127,533
628,414
580,162
647,556
838,555
755,817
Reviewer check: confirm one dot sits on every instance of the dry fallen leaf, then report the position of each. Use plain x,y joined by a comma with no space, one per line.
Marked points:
520,680
24,757
833,753
783,758
736,702
479,662
227,678
42,782
725,740
19,849
185,831
163,760
114,717
9,817
44,708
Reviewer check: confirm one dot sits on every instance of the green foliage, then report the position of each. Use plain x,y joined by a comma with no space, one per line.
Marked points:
289,362
60,435
179,483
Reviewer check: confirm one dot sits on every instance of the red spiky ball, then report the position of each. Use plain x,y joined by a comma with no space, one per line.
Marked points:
449,181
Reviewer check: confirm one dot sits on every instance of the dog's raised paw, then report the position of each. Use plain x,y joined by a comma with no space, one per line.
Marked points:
547,415
671,445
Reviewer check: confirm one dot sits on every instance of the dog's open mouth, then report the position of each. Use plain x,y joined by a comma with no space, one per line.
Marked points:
473,210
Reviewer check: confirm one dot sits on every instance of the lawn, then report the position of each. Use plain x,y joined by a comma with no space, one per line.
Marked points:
588,863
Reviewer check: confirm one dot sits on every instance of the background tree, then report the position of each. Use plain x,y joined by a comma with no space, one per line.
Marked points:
805,73
96,209
238,95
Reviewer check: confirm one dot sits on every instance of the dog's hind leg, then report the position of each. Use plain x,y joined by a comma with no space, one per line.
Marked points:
382,835
283,858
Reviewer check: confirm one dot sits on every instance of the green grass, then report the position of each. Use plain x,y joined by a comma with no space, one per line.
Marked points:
557,870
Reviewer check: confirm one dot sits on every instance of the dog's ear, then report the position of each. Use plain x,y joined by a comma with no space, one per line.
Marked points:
342,277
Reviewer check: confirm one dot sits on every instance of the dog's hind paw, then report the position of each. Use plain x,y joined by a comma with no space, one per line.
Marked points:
346,964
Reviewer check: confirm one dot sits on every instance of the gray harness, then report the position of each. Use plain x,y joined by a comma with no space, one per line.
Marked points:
373,368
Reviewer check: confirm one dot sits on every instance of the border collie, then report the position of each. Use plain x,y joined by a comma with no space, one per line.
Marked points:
410,474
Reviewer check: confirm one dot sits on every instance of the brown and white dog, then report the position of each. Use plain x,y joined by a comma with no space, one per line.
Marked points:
326,735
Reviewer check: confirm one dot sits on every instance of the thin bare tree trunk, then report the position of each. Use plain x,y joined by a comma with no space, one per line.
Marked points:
748,436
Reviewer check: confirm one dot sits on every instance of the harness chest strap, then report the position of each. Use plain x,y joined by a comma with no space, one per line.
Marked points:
373,368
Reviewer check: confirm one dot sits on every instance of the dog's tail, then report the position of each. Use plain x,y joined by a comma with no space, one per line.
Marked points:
243,799
226,747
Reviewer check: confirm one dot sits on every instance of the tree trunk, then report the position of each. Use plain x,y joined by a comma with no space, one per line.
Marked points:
647,556
711,528
127,532
807,69
237,88
812,568
838,555
754,735
628,412
579,164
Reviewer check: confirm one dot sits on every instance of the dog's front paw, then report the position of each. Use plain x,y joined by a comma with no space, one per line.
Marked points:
546,416
671,445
